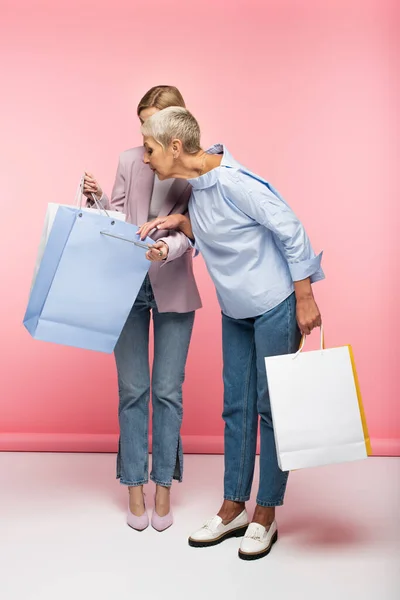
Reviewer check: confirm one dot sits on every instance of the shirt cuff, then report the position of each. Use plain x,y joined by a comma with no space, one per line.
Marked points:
192,244
307,268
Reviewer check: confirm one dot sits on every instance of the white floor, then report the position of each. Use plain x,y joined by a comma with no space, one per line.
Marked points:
63,535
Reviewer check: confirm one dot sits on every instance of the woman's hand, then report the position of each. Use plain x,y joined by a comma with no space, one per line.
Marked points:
172,222
90,186
308,315
307,311
158,252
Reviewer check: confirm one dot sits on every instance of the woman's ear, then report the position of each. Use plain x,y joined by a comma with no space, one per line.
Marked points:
176,148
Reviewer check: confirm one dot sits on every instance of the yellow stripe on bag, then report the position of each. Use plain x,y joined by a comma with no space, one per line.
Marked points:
360,404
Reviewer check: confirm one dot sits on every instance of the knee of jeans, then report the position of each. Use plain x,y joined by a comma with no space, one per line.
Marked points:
129,393
169,395
169,387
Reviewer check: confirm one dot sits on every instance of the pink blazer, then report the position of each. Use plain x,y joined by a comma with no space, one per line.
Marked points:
173,282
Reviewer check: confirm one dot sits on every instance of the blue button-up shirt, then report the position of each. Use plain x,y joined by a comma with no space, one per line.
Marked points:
253,244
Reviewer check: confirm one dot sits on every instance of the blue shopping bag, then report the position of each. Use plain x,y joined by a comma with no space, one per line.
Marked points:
88,280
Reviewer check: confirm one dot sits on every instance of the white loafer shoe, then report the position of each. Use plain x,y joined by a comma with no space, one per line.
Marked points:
214,531
258,541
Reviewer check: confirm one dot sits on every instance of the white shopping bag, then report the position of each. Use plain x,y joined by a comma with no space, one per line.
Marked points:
316,406
51,212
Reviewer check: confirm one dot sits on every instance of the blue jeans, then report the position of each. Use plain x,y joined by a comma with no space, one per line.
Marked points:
246,342
172,333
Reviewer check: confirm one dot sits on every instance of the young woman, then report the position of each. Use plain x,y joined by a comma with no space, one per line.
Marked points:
170,294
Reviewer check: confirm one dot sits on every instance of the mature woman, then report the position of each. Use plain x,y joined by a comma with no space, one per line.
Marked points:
170,293
262,265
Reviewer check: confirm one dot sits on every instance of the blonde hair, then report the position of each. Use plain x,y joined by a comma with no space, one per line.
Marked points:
161,96
174,123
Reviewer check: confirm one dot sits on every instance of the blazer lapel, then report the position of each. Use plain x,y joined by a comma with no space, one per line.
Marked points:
143,178
175,192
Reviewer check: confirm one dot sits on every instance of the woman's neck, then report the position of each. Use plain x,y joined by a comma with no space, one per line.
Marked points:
192,166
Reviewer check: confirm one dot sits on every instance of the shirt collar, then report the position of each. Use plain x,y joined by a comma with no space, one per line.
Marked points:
210,178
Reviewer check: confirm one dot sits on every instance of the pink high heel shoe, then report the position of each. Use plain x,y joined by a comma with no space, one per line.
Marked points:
138,523
161,523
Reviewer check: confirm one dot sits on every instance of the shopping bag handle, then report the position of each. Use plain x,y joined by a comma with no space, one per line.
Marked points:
79,197
124,239
100,208
303,341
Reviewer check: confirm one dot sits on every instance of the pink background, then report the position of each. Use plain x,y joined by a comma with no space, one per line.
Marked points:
306,93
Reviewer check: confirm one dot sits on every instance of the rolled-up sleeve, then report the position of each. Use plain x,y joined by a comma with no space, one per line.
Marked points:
255,199
307,268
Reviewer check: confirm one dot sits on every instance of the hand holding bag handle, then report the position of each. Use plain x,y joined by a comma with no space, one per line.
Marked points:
100,208
303,341
79,196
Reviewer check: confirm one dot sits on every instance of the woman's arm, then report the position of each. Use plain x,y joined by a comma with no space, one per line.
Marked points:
179,239
180,233
257,201
173,222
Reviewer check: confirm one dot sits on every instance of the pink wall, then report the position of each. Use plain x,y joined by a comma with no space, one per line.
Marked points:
304,92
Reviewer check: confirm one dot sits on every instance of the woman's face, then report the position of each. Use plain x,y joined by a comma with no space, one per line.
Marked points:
155,156
160,161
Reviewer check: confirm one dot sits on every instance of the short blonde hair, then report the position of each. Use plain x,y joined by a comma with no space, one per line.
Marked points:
161,96
174,123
